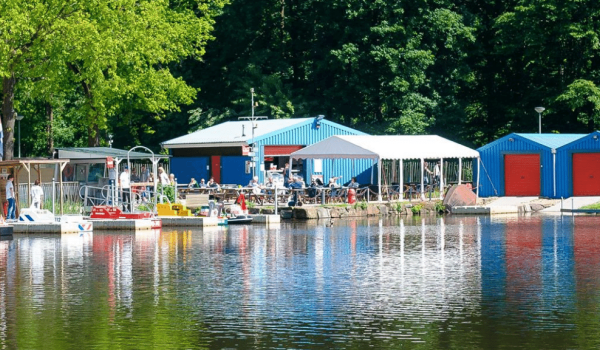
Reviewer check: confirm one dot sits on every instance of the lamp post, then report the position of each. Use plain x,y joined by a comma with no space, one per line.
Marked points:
19,118
540,110
110,141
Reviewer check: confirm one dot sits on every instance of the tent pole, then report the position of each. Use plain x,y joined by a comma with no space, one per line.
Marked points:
441,178
477,188
401,180
372,166
379,179
459,170
422,170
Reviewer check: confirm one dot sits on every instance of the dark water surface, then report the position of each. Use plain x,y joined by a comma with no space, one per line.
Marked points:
452,283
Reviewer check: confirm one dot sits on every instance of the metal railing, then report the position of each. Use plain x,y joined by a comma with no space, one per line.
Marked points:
70,192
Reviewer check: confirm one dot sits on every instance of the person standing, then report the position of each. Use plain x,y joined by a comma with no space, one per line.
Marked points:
10,198
144,178
37,193
163,177
124,182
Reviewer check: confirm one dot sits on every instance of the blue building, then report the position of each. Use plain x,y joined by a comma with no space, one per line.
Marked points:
578,164
526,165
225,151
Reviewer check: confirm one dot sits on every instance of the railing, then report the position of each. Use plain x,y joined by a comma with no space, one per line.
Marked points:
70,192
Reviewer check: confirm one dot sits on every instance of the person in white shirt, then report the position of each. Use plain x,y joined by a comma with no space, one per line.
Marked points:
10,198
124,182
36,195
163,177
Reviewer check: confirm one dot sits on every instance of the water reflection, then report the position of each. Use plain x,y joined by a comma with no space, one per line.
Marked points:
469,282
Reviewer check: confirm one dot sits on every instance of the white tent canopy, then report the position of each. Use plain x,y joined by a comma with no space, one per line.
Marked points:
385,147
389,147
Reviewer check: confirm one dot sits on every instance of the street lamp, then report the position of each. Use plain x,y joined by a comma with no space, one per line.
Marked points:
540,110
110,141
19,118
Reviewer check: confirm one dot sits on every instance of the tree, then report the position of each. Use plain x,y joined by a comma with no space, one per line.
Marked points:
114,54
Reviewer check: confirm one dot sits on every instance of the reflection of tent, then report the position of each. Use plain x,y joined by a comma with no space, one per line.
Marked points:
390,147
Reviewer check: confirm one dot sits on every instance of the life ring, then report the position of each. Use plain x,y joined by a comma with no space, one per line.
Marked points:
68,171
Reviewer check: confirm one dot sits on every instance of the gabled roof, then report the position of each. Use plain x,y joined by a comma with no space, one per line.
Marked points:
234,132
102,152
552,140
386,147
593,134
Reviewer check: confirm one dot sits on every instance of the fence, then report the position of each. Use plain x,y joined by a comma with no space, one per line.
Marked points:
70,193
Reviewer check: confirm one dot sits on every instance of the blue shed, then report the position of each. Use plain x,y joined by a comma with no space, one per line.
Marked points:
579,164
522,165
225,151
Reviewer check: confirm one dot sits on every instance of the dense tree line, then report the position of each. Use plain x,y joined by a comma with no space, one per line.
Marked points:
470,70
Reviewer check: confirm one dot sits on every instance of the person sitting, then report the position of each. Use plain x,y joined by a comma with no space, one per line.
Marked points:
202,183
134,176
353,183
212,183
269,183
193,184
333,182
256,187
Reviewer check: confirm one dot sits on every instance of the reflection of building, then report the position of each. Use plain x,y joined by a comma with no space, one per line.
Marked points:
527,265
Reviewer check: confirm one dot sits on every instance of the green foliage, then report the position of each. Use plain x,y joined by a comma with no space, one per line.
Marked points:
595,206
398,206
69,206
361,205
440,207
102,65
168,191
250,204
416,209
471,71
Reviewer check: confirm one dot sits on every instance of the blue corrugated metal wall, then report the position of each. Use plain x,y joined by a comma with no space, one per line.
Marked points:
492,169
185,168
307,134
233,170
564,162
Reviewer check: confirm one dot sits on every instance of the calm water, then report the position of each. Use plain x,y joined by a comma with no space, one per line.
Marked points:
453,283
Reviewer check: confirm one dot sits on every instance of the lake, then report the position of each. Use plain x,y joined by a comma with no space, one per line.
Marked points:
437,283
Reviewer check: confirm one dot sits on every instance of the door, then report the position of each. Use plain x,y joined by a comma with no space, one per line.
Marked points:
586,174
522,175
215,168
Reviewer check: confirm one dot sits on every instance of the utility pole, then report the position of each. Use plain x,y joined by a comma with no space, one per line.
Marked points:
253,118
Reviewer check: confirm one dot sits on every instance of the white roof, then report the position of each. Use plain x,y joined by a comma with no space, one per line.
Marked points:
233,132
386,147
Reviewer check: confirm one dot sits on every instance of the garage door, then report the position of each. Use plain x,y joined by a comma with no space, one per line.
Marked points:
586,174
522,175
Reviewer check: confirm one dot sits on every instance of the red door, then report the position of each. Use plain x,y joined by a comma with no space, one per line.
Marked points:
522,175
586,174
215,168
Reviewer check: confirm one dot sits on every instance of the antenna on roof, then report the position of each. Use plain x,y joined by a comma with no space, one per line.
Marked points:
252,119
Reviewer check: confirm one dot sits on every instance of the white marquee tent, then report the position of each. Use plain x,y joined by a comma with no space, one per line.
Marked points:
392,147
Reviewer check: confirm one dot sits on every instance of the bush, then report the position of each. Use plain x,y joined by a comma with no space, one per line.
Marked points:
416,209
360,205
168,191
440,207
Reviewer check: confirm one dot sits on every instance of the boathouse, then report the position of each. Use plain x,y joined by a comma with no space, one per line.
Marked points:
527,165
226,152
578,166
